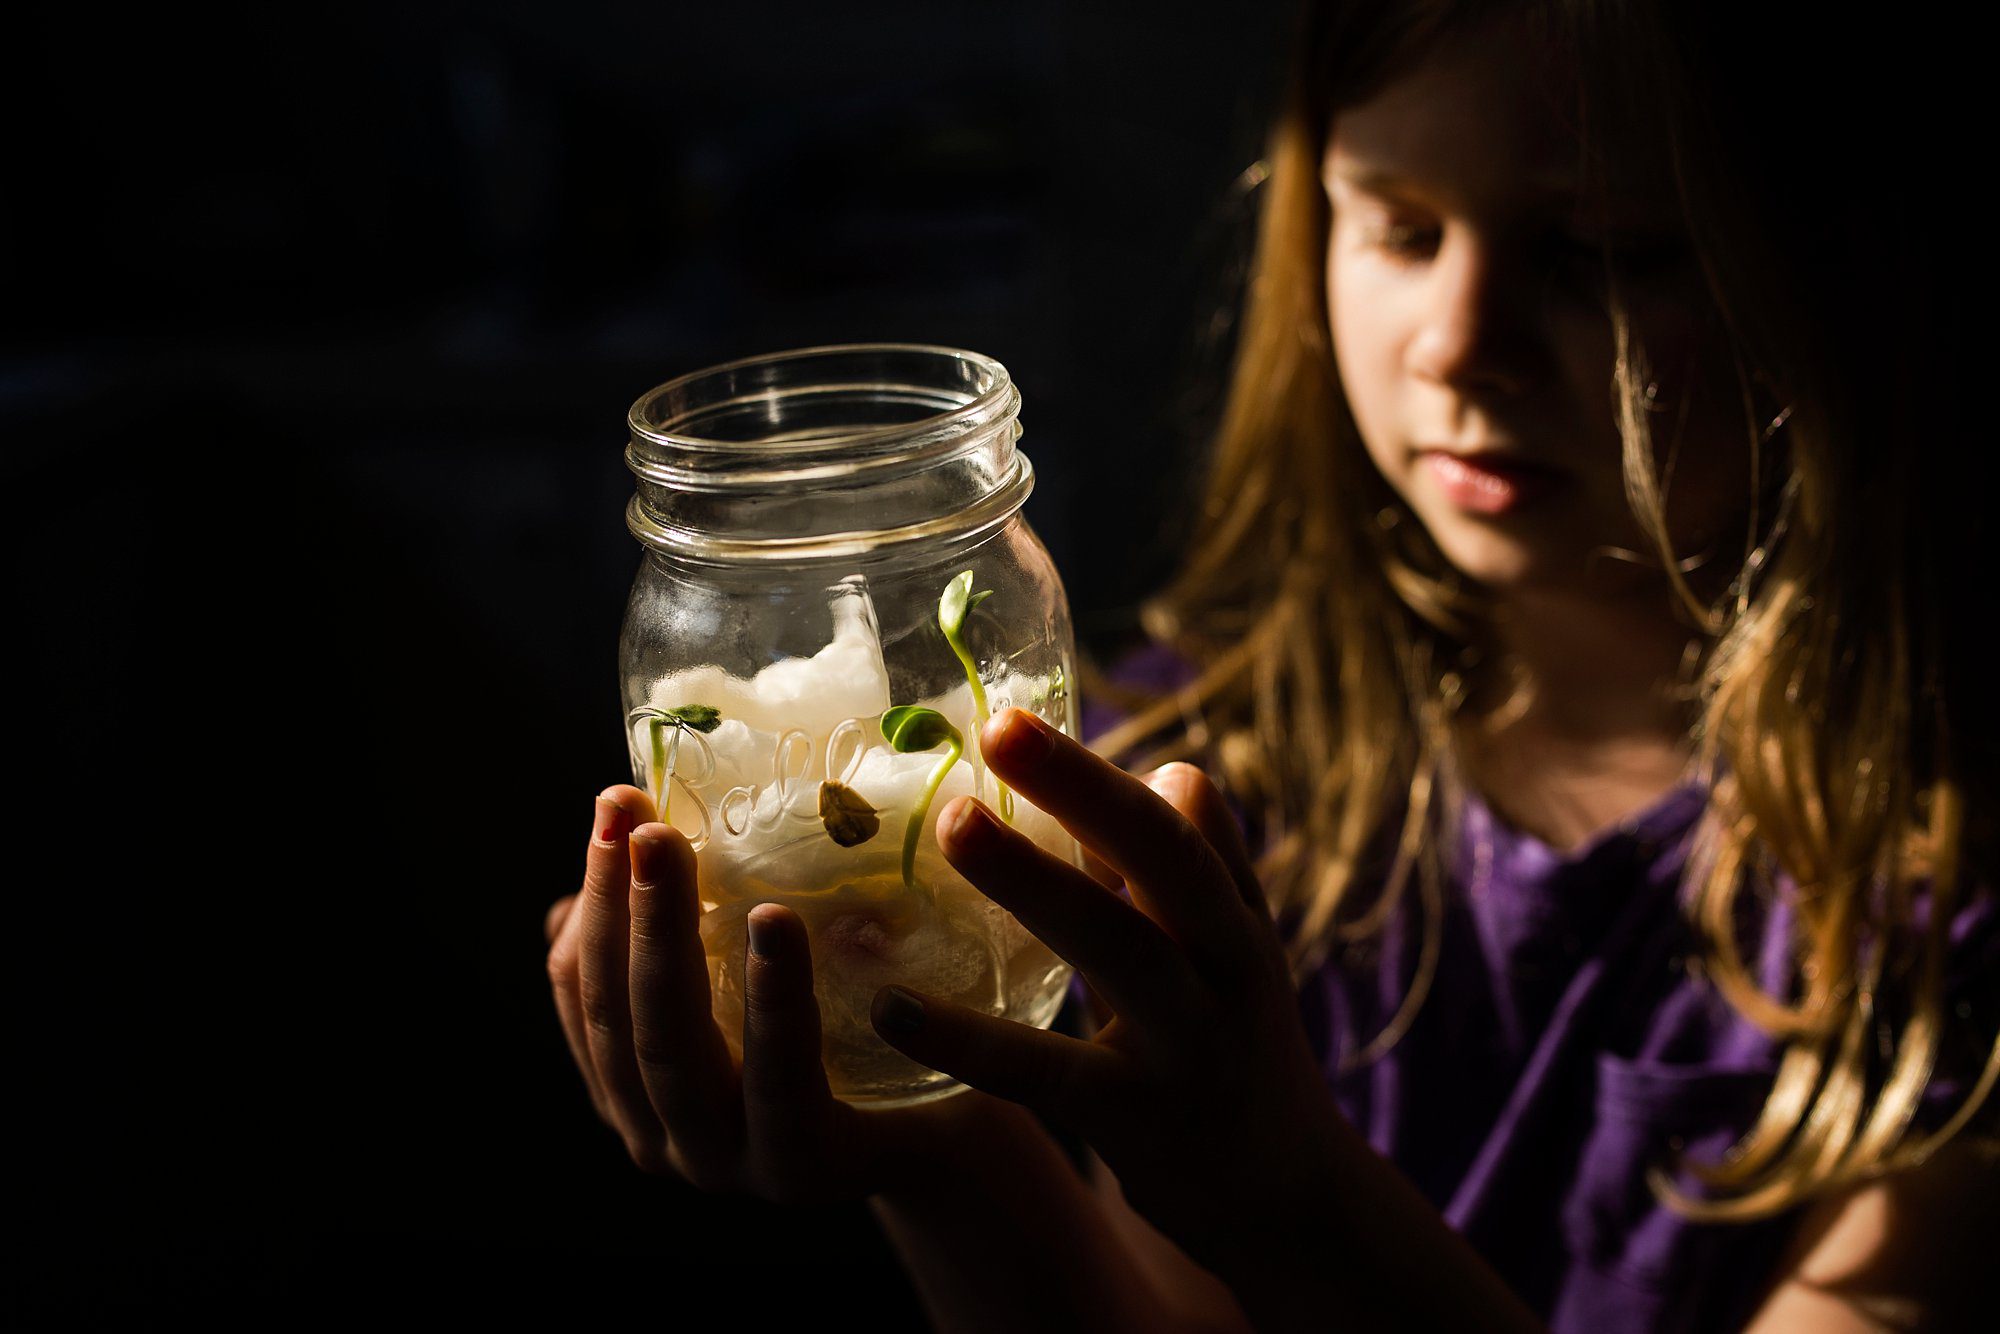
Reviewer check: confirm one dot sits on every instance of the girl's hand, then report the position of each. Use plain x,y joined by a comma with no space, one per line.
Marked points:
631,986
1202,1095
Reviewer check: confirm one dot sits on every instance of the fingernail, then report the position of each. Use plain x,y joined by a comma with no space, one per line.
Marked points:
898,1011
644,849
971,826
763,936
1025,740
610,816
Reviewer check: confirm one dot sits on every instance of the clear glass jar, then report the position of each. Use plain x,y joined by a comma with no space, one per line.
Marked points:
806,518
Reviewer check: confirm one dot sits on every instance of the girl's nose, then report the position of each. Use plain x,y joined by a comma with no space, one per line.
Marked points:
1475,337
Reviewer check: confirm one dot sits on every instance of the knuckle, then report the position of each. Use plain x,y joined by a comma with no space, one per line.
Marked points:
646,937
1188,847
557,914
1043,1073
561,964
646,1155
602,877
1182,782
789,1184
600,1013
655,1046
773,1002
777,1084
1234,964
1183,786
708,1176
1146,953
705,1171
1053,1085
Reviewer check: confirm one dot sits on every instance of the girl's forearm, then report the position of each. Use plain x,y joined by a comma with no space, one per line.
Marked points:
1003,1235
1356,1246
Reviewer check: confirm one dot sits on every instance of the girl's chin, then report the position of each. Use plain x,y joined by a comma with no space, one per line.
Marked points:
1505,562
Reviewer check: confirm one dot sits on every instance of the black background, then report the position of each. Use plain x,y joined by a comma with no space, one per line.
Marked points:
320,327
317,332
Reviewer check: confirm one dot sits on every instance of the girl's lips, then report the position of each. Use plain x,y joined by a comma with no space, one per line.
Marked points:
1487,485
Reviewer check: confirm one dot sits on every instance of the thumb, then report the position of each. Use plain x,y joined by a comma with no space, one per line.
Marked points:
1095,1008
1058,1076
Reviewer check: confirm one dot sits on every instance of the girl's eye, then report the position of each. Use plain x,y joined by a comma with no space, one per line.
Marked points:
1407,241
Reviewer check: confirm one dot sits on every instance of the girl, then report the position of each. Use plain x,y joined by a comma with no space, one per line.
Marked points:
1617,955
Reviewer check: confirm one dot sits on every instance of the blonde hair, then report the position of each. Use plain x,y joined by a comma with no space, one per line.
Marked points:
1339,652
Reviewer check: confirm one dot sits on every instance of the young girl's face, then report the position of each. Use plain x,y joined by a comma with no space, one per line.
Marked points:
1465,291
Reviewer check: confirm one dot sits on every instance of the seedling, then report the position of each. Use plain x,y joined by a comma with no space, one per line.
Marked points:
909,729
956,604
696,717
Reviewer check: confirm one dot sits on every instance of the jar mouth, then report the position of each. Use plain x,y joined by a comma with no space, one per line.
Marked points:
826,451
787,405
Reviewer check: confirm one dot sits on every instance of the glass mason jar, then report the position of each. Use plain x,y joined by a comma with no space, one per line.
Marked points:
838,588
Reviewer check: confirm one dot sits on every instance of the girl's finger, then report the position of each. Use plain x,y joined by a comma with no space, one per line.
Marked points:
1191,792
1104,875
558,913
569,1011
1124,954
1094,1007
786,1099
1059,1076
683,1061
1172,871
604,986
1194,794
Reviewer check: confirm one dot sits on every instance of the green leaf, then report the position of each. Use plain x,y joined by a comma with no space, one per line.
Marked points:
910,728
701,717
954,604
957,603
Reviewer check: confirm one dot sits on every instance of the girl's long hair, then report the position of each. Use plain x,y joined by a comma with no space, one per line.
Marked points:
1340,654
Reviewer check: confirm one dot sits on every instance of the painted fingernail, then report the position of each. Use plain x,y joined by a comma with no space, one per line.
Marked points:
898,1011
763,936
610,817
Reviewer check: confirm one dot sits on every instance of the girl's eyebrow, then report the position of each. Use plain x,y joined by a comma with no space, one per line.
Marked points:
1377,180
1374,180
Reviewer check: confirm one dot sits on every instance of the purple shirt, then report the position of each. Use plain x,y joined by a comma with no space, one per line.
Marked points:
1564,1049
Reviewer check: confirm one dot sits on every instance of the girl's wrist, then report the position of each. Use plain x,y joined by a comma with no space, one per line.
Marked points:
1303,1180
1348,1233
943,1146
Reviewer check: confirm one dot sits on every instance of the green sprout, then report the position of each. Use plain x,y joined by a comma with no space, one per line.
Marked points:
909,729
697,717
956,604
1055,693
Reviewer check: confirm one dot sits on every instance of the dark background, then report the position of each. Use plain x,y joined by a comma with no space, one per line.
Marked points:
319,330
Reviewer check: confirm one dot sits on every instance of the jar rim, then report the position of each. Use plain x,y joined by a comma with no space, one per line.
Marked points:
997,387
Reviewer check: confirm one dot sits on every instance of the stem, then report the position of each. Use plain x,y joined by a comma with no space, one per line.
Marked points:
979,717
659,765
911,834
971,675
667,785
